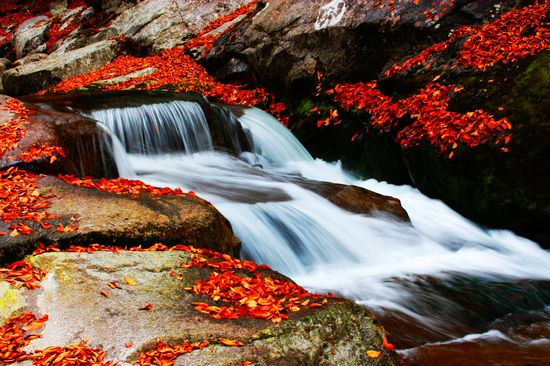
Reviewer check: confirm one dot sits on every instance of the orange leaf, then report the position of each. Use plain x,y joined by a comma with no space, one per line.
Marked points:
231,342
146,307
129,281
373,354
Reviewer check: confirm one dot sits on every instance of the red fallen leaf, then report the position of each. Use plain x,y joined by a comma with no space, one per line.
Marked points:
314,305
388,345
166,354
65,229
104,294
45,225
373,354
21,228
114,285
146,307
128,344
129,281
231,342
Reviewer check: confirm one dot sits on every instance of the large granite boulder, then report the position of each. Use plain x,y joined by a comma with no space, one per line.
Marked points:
30,37
35,76
285,42
80,305
153,25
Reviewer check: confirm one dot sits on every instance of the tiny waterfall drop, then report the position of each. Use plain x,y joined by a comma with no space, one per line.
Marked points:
442,279
272,140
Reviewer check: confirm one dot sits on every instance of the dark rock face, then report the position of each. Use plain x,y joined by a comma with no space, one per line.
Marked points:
283,45
493,188
502,190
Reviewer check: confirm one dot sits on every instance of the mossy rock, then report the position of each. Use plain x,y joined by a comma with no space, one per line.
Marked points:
340,332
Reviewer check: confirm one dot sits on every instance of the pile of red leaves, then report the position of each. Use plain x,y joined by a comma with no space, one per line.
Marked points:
166,354
72,355
432,121
21,200
16,334
42,151
13,131
256,297
259,297
224,261
509,38
56,33
14,13
20,274
121,186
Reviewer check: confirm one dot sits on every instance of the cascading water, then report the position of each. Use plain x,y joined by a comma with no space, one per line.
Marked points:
432,283
172,126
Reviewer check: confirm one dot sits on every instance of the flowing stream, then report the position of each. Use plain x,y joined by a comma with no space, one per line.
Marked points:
447,290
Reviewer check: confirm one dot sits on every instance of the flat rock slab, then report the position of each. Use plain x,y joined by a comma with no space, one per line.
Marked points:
112,219
338,333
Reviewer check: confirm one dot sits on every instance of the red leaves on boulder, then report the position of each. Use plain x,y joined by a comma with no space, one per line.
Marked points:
21,274
21,200
13,131
513,36
226,262
72,355
120,186
42,151
14,337
166,354
59,31
205,40
257,297
509,38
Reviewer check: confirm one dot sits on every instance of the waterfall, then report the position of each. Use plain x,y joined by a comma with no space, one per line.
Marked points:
443,276
160,127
